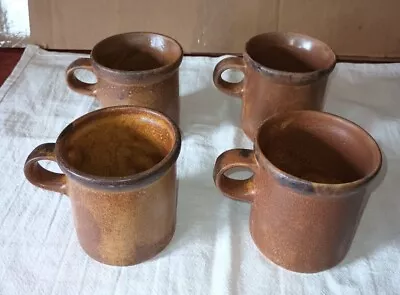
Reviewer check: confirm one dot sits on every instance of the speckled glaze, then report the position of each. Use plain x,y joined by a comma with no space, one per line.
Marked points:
313,173
119,170
137,68
282,72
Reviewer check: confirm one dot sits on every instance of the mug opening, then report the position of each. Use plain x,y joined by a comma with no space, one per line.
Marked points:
137,51
290,52
318,148
118,144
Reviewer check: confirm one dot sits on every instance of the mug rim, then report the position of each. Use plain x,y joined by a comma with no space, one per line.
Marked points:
159,70
313,187
288,76
123,182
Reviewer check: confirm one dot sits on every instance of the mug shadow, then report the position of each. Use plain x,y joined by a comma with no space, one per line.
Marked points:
379,224
196,214
210,124
209,107
201,216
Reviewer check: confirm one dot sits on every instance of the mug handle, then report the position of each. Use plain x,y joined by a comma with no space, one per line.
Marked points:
74,83
41,177
242,190
234,63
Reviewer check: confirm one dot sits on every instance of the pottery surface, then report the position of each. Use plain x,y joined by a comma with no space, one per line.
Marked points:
313,173
282,72
119,171
137,68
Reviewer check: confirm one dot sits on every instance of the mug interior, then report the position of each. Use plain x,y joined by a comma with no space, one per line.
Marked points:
117,143
290,52
318,147
136,52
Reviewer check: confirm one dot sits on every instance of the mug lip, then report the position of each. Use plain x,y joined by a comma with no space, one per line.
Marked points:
312,187
159,70
288,76
128,182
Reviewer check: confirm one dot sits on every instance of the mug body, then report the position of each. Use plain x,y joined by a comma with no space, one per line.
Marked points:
282,72
125,227
315,172
119,170
303,232
264,96
162,95
313,175
137,68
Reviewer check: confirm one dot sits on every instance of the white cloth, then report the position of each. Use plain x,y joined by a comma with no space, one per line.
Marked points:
212,251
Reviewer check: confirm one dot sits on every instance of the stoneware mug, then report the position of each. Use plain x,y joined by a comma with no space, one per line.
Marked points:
312,176
282,72
119,171
138,68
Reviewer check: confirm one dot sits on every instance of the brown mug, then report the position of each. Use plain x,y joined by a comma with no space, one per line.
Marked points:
137,68
312,176
282,72
119,171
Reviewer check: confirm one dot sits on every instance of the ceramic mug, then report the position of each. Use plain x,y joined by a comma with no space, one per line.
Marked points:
312,176
119,171
138,68
282,72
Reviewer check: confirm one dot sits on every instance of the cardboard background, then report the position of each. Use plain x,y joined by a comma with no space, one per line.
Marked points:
357,28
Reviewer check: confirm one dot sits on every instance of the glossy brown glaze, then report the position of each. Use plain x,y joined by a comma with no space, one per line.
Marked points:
137,68
282,72
312,177
119,166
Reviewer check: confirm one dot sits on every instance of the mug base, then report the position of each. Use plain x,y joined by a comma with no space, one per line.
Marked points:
296,268
142,255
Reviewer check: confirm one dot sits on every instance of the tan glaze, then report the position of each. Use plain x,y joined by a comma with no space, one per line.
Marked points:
137,68
312,178
282,72
119,166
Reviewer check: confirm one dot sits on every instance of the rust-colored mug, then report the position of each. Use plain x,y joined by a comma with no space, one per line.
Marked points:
312,176
137,68
119,171
282,72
